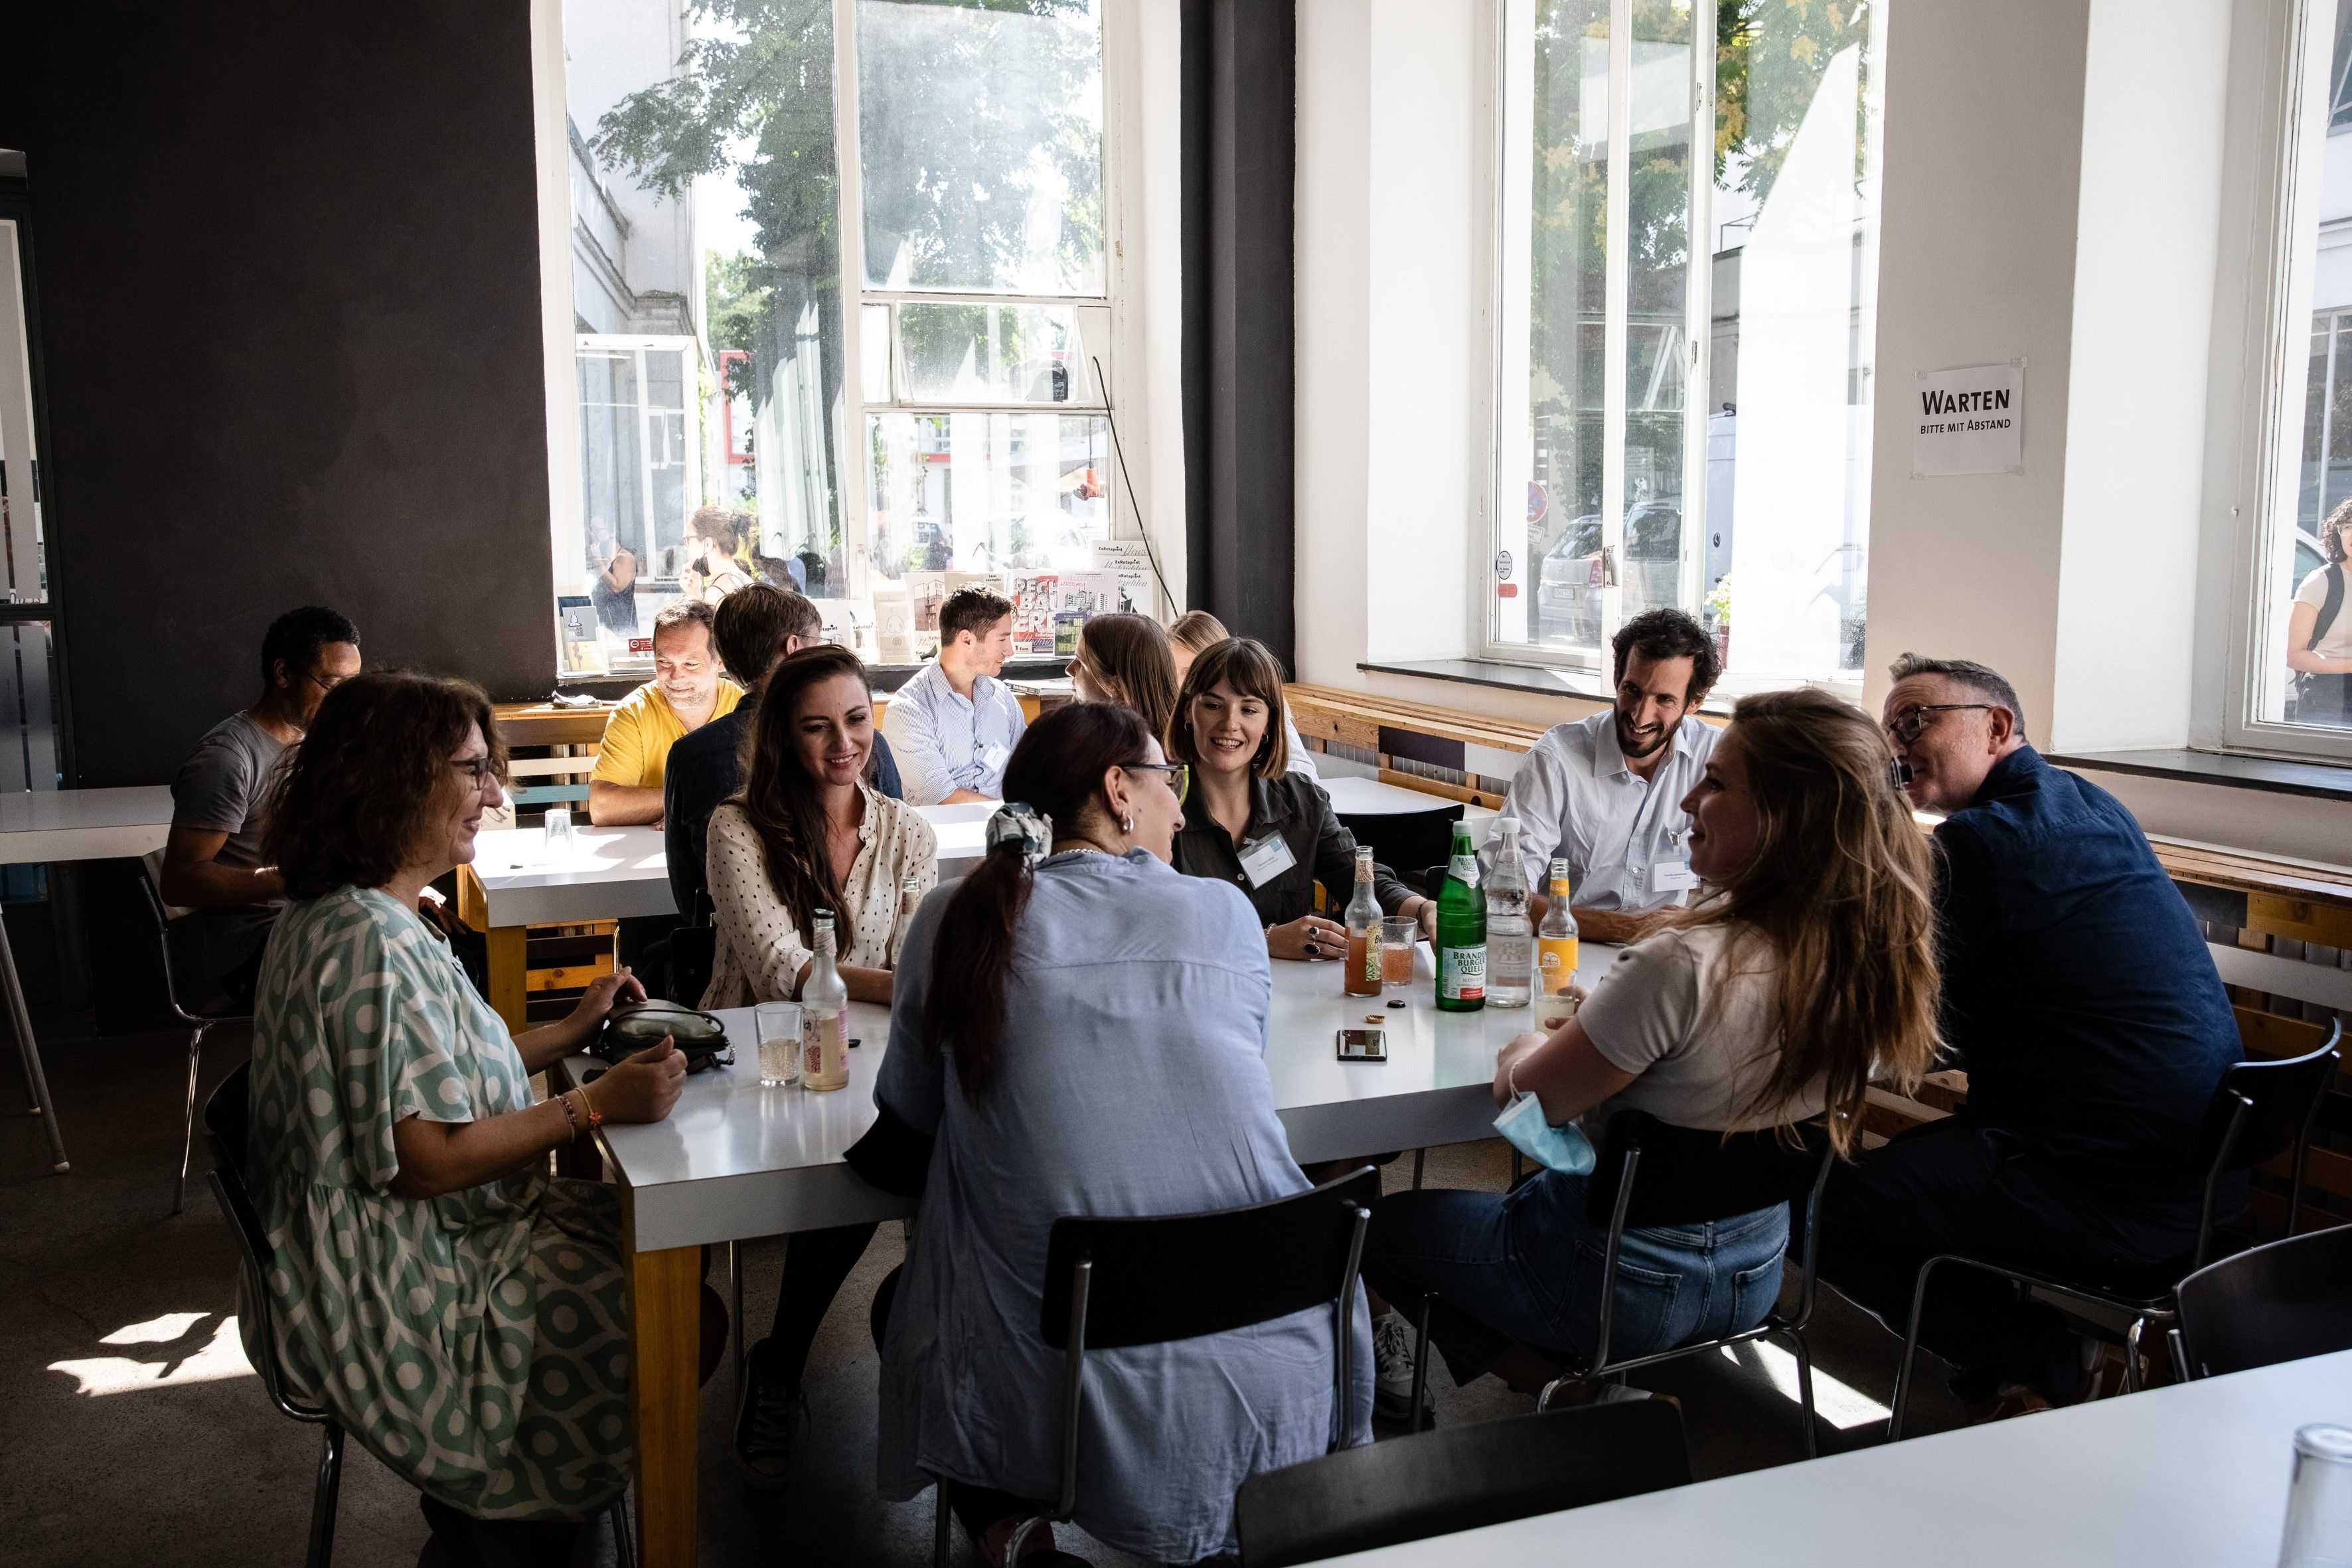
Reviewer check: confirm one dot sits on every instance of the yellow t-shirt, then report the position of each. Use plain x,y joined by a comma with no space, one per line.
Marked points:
641,730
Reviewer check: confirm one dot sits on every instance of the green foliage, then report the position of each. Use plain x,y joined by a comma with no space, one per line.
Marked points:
737,300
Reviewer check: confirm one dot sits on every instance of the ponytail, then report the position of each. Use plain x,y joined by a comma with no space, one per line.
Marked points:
1053,778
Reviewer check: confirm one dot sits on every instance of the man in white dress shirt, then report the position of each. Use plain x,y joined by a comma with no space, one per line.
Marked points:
1605,793
954,725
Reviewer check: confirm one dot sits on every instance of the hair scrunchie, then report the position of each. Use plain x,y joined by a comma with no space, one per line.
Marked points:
1023,825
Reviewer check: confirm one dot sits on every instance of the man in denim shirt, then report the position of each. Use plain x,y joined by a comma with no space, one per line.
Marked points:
2079,996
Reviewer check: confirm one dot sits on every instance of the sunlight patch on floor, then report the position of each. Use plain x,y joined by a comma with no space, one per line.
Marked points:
1841,1404
221,1357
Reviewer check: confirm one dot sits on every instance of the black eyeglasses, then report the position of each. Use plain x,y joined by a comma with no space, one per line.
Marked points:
1180,775
1906,724
326,682
478,771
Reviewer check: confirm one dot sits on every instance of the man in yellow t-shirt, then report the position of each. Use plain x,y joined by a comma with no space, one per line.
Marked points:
687,692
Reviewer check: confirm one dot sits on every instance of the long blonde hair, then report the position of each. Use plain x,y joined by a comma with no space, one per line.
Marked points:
1838,904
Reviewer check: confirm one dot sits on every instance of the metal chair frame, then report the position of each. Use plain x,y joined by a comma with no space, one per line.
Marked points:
1790,1328
199,1025
2232,1109
1072,1400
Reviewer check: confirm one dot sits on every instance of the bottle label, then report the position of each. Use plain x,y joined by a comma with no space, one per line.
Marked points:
1558,962
1462,974
1464,868
825,1050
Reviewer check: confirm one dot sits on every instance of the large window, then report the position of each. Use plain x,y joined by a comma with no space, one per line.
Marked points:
1683,377
2293,686
940,413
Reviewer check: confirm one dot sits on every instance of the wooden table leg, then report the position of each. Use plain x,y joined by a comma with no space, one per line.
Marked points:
666,1399
509,975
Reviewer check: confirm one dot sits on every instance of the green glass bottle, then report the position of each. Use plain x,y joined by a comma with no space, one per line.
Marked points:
1462,931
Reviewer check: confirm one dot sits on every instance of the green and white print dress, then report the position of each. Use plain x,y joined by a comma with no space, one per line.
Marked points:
477,1342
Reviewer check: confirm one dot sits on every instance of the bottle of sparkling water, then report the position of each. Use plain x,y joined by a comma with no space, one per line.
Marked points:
1461,930
1555,956
1510,938
825,1015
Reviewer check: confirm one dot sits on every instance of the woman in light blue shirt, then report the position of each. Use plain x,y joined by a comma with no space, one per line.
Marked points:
1084,1030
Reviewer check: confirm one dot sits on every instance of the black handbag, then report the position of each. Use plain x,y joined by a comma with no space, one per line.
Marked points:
640,1026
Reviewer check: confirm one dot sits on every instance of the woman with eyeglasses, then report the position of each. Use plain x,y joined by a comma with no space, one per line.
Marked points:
1126,659
1252,822
462,1313
1083,1031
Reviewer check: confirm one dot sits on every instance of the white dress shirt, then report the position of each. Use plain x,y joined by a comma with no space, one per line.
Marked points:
1621,835
944,742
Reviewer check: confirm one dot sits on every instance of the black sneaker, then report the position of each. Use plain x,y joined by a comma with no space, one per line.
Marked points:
768,1419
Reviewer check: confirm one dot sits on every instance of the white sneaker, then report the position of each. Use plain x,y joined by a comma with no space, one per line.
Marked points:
1392,1367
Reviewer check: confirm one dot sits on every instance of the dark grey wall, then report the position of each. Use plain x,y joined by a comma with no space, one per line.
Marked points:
289,289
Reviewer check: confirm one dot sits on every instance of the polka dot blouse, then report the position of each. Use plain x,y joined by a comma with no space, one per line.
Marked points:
760,947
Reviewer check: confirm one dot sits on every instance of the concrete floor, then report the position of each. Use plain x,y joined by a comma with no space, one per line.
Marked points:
135,1434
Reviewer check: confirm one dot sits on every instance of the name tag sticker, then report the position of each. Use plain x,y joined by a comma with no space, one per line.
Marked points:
1671,877
995,757
1266,859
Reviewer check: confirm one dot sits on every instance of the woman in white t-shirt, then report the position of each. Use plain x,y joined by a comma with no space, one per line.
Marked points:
1806,972
2320,654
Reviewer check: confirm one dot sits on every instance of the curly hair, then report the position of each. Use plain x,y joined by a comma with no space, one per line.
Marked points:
1663,634
366,786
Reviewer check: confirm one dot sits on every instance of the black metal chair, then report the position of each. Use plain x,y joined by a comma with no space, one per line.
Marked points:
199,1023
1435,1483
2280,1301
225,1126
1115,1282
1690,1176
2261,1109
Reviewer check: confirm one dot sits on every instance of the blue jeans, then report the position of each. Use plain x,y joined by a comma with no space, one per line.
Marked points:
1524,1266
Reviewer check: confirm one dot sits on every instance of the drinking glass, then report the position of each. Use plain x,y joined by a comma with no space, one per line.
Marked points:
779,1027
558,830
1400,936
2319,1499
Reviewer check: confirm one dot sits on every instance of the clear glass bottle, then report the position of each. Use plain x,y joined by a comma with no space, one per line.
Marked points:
1510,938
1461,930
2318,1531
824,1014
1363,921
1556,952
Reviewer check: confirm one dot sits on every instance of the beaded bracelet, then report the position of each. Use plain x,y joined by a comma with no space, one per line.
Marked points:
571,1117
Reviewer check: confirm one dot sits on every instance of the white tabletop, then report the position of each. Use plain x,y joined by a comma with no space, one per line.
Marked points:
734,1159
2194,1474
1353,796
617,873
40,826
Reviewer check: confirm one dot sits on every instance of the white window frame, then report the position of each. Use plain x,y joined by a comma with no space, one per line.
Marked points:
854,486
1496,148
2263,321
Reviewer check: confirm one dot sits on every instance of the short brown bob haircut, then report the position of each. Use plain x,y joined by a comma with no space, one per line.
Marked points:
1243,665
366,786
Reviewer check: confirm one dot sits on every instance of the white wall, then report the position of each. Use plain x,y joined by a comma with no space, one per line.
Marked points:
1144,51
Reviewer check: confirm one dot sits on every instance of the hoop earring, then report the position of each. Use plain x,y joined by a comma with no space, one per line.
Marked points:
1127,826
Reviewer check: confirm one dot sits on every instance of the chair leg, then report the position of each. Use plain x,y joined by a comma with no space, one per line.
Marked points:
1420,1158
1420,1361
2180,1355
1020,1538
625,1543
322,1498
941,1542
742,1330
2131,1354
188,1122
1910,1353
1804,1354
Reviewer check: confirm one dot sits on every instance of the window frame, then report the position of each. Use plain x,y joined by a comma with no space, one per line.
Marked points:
2262,333
857,489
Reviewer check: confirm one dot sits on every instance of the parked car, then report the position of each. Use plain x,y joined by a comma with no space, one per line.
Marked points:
1568,595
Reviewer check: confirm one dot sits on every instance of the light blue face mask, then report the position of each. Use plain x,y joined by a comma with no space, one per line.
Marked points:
1563,1149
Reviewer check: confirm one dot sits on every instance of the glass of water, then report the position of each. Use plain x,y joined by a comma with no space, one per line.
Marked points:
2319,1499
778,1026
558,828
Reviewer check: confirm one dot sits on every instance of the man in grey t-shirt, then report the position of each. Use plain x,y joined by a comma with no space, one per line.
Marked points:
212,862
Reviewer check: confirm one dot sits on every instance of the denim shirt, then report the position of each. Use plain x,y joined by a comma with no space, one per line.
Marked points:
945,741
2078,991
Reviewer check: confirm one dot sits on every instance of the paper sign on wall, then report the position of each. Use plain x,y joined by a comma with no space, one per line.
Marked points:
1969,419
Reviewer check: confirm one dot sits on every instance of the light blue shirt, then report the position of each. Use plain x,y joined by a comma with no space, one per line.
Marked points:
1132,1082
945,742
1622,835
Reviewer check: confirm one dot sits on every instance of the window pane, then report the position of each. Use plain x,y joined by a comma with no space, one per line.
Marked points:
24,568
987,492
1553,257
1658,306
2304,662
1794,267
992,354
980,132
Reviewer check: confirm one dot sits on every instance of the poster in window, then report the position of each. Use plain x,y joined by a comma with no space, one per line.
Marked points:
1033,613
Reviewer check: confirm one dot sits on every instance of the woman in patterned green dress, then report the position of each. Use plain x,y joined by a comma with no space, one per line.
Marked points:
464,1314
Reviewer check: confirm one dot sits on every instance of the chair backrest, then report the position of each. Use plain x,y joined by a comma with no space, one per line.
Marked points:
1460,1477
226,1120
2279,1099
1689,1175
1177,1276
2272,1303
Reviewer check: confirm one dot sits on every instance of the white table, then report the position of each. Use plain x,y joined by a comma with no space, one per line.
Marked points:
40,828
734,1161
2194,1474
615,873
1355,796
